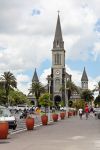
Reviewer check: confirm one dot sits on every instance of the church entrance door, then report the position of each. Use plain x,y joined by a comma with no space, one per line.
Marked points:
57,100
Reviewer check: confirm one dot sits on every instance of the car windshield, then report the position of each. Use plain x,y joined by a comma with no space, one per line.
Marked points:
4,112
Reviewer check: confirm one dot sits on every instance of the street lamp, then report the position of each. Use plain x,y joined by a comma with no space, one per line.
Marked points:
49,84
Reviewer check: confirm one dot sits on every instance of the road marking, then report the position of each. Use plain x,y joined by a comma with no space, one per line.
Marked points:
77,137
24,129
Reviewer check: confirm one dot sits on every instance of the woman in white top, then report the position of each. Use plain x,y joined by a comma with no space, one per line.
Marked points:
80,112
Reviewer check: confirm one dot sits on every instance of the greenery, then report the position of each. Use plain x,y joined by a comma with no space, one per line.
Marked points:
70,103
37,89
45,101
8,82
15,97
71,88
79,103
61,103
87,95
97,101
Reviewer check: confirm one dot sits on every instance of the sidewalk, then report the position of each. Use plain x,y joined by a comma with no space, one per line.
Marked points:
69,134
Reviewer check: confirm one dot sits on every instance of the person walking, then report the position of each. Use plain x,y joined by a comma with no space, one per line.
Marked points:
80,111
87,111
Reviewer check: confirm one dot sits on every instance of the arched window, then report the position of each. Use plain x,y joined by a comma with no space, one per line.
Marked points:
57,85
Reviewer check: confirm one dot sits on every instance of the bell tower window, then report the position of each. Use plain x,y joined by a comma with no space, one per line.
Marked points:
57,59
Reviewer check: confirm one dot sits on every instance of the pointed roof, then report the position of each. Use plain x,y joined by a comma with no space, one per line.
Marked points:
35,77
84,76
58,32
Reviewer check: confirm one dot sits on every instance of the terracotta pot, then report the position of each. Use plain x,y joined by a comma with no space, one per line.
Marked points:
62,115
30,123
4,127
69,114
44,119
55,117
74,113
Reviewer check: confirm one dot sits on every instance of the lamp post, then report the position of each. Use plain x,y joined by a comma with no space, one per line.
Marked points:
49,84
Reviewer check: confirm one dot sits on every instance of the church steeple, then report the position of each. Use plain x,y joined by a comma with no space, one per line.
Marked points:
84,76
84,80
58,40
35,77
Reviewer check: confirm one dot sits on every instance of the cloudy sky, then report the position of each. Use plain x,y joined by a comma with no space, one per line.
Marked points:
27,30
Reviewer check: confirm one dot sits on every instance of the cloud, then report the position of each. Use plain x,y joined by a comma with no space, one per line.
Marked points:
27,32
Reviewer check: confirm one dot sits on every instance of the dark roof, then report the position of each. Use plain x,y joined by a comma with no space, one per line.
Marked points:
84,76
58,32
35,77
58,40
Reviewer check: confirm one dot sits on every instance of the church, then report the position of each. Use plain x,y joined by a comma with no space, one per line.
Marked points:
58,77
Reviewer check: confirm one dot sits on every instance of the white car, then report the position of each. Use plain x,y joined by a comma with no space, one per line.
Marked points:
22,107
5,115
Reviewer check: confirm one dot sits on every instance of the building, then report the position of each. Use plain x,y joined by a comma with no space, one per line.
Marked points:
31,96
84,80
59,76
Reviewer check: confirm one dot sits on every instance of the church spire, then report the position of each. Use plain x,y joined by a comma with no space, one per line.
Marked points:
84,76
58,40
35,77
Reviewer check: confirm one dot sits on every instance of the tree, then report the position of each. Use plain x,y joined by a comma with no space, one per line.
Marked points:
45,101
71,88
97,88
37,89
17,97
2,96
97,100
87,95
70,103
79,103
9,83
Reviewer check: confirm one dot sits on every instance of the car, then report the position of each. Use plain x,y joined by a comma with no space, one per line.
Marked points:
21,107
97,112
6,115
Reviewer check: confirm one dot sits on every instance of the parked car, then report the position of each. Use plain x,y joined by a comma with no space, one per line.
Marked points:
97,112
5,115
22,107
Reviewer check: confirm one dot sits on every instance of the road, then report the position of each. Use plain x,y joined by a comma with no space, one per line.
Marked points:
21,123
69,134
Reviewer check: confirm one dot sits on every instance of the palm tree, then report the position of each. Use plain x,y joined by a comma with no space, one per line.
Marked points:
37,89
71,88
9,81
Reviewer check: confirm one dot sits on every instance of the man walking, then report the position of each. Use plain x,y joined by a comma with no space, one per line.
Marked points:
86,111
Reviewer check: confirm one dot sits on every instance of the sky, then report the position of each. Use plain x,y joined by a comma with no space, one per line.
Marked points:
27,29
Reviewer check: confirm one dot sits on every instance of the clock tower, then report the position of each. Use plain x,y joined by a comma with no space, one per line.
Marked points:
58,75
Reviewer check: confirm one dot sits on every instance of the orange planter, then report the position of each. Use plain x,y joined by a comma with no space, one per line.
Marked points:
44,119
70,114
30,123
4,127
62,115
55,117
74,113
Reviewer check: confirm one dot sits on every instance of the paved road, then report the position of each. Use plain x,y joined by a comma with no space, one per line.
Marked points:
69,134
21,123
